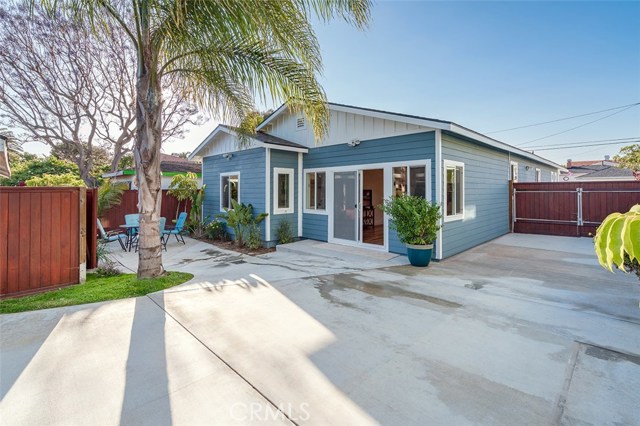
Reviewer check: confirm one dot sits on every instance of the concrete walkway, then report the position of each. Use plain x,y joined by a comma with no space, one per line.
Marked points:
523,330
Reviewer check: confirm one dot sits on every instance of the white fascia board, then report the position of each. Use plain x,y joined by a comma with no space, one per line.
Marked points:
272,116
501,145
281,147
208,139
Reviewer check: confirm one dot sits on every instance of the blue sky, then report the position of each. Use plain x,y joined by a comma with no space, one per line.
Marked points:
490,66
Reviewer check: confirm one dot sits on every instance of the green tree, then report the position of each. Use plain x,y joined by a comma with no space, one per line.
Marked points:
22,171
222,54
183,187
629,158
65,179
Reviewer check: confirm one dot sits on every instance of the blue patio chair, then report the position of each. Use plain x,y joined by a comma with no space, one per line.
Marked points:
177,229
108,237
163,241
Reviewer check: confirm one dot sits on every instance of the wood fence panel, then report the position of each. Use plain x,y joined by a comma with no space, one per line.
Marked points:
92,228
40,238
552,208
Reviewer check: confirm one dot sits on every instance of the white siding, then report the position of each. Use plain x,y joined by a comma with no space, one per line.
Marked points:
343,127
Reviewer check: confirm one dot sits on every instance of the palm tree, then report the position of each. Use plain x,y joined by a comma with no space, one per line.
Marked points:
222,54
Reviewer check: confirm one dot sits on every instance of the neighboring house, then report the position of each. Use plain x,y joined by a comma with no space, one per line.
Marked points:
5,170
330,190
596,170
170,166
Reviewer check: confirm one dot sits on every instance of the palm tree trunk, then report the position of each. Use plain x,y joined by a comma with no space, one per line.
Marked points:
147,159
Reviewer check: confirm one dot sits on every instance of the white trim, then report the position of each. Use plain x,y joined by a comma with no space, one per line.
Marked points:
220,176
516,177
306,209
439,190
282,171
205,193
267,195
300,200
538,174
446,165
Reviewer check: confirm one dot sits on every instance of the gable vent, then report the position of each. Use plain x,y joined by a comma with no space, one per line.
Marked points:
300,123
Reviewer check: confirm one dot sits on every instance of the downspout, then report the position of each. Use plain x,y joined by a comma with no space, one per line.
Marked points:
267,195
439,190
300,177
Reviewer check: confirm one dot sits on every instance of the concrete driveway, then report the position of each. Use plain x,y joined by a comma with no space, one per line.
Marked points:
523,330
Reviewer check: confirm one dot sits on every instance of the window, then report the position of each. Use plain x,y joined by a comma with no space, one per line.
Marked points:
454,194
316,193
514,171
413,184
282,191
538,175
229,189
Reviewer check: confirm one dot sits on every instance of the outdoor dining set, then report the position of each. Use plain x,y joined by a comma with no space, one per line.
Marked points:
128,235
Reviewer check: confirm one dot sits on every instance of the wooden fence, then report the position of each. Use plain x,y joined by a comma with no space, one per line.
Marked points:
114,217
569,208
42,238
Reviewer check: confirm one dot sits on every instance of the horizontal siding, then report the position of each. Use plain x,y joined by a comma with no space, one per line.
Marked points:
525,175
285,160
486,185
251,165
315,226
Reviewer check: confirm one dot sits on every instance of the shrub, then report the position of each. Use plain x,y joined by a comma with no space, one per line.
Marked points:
65,179
216,230
413,218
284,233
107,267
254,241
239,217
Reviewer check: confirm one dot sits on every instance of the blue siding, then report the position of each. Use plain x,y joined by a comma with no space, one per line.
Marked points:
416,146
486,187
251,165
285,160
315,226
525,175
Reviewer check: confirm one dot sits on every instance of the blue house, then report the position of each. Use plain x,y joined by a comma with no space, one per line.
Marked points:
330,190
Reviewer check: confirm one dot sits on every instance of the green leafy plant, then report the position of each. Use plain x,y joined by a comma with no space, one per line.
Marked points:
617,241
65,179
30,166
216,230
254,241
284,234
413,218
183,187
629,157
106,265
109,195
239,217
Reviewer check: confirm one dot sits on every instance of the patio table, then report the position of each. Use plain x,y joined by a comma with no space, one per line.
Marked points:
132,233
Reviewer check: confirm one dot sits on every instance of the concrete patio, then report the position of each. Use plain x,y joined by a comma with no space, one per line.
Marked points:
522,330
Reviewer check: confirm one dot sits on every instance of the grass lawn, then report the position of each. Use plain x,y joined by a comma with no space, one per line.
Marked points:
95,289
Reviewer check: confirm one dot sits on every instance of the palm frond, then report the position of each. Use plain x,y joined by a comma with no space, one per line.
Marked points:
109,195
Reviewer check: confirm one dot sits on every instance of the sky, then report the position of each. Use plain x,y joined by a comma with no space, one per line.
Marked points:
491,66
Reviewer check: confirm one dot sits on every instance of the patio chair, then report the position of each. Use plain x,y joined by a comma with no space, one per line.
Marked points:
163,241
111,236
177,229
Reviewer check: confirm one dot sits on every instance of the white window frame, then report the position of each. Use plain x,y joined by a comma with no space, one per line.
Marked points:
454,164
514,178
229,174
538,175
282,171
314,210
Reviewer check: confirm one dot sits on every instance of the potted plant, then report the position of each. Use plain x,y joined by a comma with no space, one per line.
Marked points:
416,221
